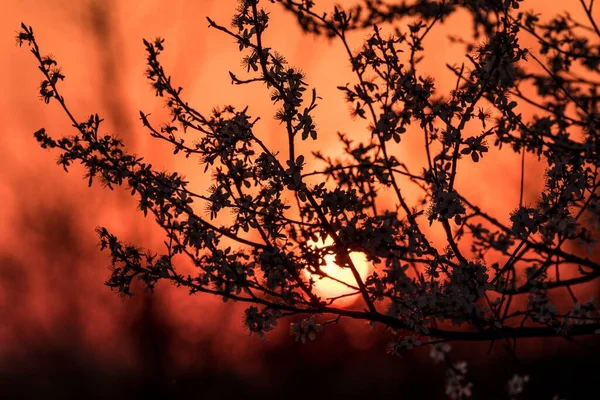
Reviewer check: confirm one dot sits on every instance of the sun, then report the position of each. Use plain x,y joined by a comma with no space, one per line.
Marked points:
329,288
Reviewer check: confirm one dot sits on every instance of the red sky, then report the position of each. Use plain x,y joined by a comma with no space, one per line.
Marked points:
51,268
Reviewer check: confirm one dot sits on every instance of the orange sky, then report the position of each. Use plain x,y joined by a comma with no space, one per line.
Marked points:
51,265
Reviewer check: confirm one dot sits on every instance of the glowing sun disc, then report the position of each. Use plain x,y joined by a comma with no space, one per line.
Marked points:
328,288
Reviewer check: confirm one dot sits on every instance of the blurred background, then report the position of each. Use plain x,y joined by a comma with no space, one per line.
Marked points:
63,334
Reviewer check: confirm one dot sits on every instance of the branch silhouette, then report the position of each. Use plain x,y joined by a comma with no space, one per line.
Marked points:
423,292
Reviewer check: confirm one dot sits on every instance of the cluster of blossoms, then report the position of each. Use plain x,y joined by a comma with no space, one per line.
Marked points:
306,328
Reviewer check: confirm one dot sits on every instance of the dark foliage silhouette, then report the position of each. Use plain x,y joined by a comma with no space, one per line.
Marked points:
424,292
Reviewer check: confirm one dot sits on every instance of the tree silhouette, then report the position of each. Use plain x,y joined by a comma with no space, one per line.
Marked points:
425,293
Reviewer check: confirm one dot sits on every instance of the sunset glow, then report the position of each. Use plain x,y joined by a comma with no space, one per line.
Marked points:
480,219
330,288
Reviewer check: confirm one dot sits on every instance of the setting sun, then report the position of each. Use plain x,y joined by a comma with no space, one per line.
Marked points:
330,288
